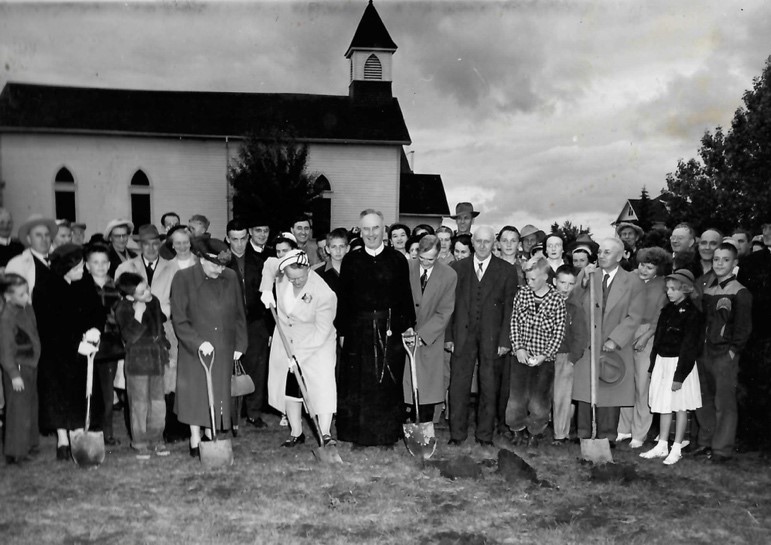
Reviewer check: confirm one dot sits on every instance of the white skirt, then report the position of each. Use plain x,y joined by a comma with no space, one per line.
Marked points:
661,397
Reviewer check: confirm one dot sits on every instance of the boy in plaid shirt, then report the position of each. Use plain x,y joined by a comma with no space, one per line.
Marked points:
537,329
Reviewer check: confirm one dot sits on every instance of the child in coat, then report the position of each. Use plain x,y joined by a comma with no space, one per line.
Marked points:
674,381
140,320
19,355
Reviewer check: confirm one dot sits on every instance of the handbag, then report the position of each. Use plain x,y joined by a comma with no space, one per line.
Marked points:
241,384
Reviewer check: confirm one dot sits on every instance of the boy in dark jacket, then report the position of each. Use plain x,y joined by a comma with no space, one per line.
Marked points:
140,320
570,351
727,308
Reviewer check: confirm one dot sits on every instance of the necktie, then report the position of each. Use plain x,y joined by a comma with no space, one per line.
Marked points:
150,271
605,289
480,272
423,280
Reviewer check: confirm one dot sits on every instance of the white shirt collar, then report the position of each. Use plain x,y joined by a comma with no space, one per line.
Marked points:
5,241
484,262
376,251
41,257
427,271
611,275
152,264
256,248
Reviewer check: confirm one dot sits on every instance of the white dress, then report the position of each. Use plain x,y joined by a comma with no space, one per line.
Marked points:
661,397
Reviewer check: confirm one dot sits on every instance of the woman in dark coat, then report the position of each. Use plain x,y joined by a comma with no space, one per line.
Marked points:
208,315
63,317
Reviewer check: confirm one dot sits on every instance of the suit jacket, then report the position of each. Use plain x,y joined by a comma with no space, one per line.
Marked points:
498,287
755,275
433,310
161,286
250,284
116,261
623,314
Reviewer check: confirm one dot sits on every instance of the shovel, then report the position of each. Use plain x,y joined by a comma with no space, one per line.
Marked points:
88,446
594,450
215,453
418,438
324,453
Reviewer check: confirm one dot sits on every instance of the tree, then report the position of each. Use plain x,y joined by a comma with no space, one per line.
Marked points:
570,232
644,211
270,181
728,186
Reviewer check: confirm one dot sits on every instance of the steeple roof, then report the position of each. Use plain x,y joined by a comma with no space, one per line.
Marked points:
371,33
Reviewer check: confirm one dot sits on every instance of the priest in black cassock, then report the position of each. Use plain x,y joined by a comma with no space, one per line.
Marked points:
375,308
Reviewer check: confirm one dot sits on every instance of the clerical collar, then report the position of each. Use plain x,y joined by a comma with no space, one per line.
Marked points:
5,241
41,257
376,251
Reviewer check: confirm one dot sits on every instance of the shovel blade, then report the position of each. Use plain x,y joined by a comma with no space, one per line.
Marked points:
596,451
87,447
327,455
420,439
215,454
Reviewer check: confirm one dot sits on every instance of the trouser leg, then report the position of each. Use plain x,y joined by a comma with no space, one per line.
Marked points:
490,373
539,403
726,415
516,411
563,390
460,390
706,413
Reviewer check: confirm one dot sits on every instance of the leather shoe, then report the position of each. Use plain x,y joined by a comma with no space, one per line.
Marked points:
293,441
455,442
483,443
715,458
63,452
235,431
257,422
702,451
328,441
195,452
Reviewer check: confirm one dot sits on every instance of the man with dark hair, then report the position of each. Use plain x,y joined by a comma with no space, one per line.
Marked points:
337,247
301,229
169,220
727,307
259,234
248,268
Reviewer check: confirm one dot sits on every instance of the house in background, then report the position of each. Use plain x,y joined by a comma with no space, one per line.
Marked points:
422,199
93,154
632,211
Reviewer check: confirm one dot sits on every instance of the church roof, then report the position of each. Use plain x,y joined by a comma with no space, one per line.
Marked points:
422,195
310,118
371,32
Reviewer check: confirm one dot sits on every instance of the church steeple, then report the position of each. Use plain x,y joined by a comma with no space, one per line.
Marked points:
370,55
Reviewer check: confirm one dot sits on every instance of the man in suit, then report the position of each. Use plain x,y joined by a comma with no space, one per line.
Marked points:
479,329
248,268
433,293
158,273
620,305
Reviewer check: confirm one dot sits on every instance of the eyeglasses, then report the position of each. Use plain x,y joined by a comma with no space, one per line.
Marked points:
114,235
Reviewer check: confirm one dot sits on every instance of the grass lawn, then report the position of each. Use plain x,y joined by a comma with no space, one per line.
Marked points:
275,495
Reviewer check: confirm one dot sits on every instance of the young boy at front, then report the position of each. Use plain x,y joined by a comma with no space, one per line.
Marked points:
727,307
140,320
537,329
573,345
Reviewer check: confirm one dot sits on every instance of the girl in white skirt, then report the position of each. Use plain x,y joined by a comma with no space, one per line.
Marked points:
674,383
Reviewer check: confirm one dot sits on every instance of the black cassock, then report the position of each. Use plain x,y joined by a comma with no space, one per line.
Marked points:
375,299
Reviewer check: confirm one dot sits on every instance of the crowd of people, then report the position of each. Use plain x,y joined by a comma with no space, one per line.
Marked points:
504,320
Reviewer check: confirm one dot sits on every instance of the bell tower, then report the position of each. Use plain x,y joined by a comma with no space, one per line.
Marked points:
371,57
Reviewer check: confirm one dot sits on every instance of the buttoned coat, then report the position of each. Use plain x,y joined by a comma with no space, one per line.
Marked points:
433,310
496,292
623,314
206,309
308,323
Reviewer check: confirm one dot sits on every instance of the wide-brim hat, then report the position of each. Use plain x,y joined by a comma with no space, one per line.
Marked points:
65,257
584,241
528,230
464,207
612,368
626,224
32,222
117,223
148,232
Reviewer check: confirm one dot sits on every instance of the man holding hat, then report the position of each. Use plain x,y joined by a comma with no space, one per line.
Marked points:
36,234
117,235
619,306
158,273
464,217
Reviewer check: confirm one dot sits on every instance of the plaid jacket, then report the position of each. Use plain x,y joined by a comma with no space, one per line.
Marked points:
540,331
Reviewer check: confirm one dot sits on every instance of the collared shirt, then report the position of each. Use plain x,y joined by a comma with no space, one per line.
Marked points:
258,249
427,272
484,263
42,257
5,241
611,275
376,251
152,264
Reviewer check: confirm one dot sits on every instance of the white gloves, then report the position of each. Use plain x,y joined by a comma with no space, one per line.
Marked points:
237,355
267,299
90,342
92,335
206,348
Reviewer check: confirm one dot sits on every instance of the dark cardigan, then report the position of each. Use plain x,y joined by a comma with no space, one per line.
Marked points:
678,334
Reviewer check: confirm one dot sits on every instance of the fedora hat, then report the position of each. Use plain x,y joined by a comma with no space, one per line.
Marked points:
528,230
117,223
612,368
32,222
626,224
584,241
148,232
462,207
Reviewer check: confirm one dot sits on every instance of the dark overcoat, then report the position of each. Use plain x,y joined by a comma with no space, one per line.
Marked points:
206,309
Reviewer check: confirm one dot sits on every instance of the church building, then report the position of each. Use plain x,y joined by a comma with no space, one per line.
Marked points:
94,154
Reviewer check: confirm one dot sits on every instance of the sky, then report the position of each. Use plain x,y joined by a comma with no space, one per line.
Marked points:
534,111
